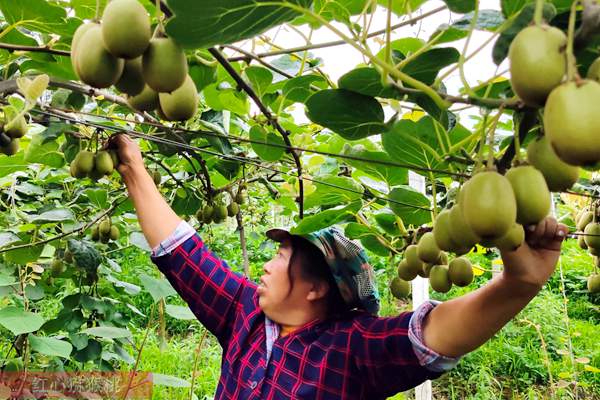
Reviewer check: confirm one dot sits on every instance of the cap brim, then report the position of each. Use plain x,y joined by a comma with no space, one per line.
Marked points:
278,234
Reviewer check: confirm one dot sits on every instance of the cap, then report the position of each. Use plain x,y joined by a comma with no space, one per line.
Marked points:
347,262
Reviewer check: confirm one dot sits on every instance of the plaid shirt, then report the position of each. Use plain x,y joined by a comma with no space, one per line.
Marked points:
359,356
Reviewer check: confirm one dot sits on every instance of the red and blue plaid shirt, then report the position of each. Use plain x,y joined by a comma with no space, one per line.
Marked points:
359,356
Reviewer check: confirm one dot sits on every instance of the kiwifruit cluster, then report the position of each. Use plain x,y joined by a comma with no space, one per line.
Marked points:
120,51
12,129
538,65
156,176
427,260
586,222
217,213
94,165
105,231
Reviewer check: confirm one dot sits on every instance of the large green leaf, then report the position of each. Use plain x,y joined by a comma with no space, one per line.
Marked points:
169,380
335,190
85,255
19,321
460,6
180,312
410,205
393,176
367,81
425,67
326,218
158,288
401,7
11,164
57,215
299,89
202,24
50,346
37,15
44,152
108,332
265,151
414,143
351,115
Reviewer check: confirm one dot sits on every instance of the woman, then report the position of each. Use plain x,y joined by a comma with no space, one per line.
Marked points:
310,329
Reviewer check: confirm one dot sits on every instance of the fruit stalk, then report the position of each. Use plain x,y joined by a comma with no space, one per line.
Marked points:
539,12
571,63
490,160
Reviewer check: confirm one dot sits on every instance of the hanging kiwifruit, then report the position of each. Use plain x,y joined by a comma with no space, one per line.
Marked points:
441,231
581,242
131,81
538,63
104,227
426,270
83,163
164,65
15,125
399,288
488,204
592,236
182,103
11,149
439,279
572,122
114,233
427,248
95,65
512,239
584,219
156,177
531,193
103,163
559,175
233,209
460,272
220,213
147,100
405,272
413,262
79,32
126,28
593,283
57,267
207,214
95,234
460,232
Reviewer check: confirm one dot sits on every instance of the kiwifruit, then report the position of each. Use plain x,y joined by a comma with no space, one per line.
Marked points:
427,269
11,149
95,65
207,214
104,227
592,236
240,198
79,32
95,175
593,71
95,236
593,251
488,205
156,177
68,256
105,238
75,171
103,162
460,232
164,65
115,157
442,259
572,122
538,63
593,283
512,239
581,242
460,272
405,272
84,161
220,212
583,221
16,125
131,81
531,193
427,248
559,175
147,100
439,279
114,233
441,231
4,139
57,267
126,28
413,261
400,288
182,103
233,209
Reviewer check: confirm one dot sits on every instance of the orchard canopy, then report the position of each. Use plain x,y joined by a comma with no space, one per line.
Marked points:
226,115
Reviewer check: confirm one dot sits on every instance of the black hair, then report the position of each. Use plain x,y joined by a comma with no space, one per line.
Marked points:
311,265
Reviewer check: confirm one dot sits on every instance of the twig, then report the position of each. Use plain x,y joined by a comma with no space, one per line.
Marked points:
34,49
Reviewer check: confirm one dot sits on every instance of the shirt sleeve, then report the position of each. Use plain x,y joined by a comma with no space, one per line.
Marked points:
427,357
204,281
385,355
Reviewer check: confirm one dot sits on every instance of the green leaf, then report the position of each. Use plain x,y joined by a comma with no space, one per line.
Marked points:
387,173
50,346
108,332
203,75
401,7
37,15
11,164
373,244
387,221
97,197
326,218
19,321
299,89
57,215
234,101
202,24
367,81
46,153
187,205
169,380
8,238
138,240
500,50
460,6
24,255
410,205
335,190
85,255
351,115
91,352
180,312
267,153
260,78
414,143
158,288
425,67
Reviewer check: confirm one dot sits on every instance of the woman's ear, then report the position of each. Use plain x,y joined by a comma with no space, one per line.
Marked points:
318,291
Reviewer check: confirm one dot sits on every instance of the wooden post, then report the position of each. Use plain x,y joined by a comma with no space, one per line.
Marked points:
420,288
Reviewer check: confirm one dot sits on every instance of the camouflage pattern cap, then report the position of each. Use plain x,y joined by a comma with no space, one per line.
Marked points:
347,262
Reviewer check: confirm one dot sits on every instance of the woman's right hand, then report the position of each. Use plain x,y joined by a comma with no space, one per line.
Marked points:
130,155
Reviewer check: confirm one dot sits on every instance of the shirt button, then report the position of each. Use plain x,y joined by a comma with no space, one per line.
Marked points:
253,385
